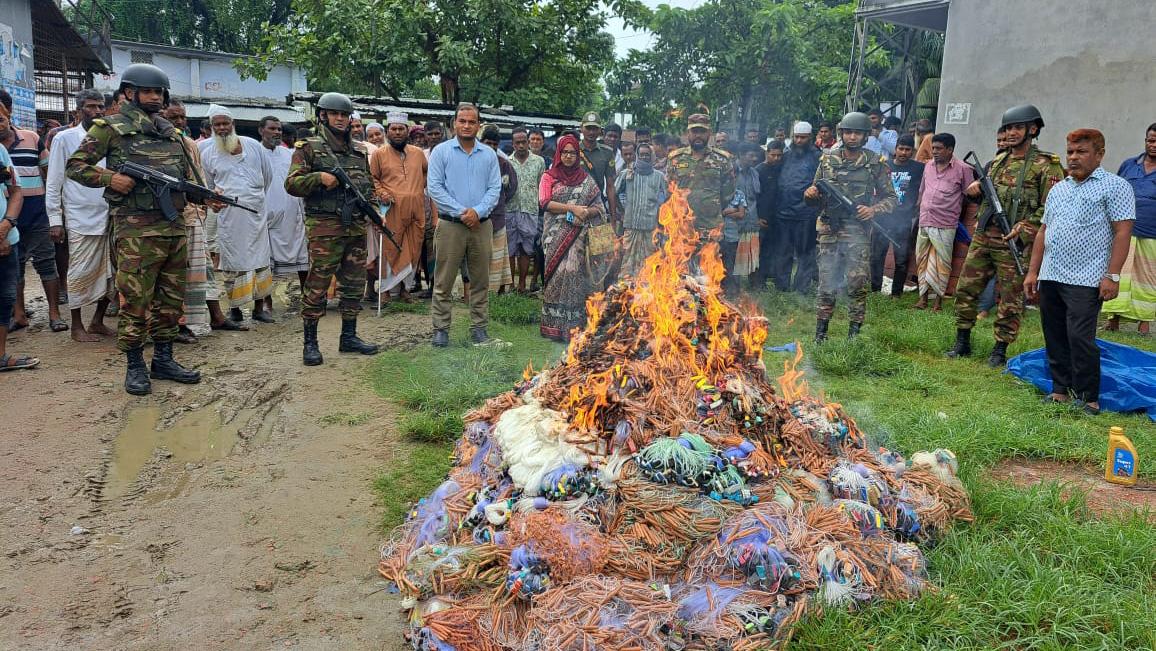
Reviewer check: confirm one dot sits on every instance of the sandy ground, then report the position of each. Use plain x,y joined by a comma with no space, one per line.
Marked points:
233,514
1103,497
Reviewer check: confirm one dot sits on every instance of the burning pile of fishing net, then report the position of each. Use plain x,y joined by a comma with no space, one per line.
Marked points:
653,491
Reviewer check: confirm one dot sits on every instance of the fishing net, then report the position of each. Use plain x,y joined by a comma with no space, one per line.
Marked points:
654,490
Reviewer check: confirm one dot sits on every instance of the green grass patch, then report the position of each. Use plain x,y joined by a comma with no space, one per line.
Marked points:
401,307
415,471
515,309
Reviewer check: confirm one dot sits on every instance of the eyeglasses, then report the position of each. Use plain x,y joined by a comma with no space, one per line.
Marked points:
569,153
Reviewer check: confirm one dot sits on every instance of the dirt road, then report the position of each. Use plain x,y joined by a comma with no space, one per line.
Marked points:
233,514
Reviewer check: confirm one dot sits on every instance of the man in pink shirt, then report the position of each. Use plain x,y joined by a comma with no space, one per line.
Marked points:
941,202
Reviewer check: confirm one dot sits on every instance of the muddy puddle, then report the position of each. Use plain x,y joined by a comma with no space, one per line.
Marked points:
197,436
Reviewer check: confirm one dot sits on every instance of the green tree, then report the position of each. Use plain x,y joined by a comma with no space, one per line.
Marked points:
219,25
546,54
760,62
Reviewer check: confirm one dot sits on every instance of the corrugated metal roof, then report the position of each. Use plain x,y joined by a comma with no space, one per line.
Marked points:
200,110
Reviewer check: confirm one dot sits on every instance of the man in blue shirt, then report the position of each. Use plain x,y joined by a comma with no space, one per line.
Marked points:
464,182
1137,299
795,221
1075,266
11,201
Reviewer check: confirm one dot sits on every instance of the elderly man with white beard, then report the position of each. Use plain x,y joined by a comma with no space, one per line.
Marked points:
235,166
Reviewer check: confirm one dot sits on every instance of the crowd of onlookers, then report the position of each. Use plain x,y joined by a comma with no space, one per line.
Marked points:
476,209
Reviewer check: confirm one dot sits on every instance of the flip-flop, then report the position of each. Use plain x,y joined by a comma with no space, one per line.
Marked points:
10,362
229,324
17,327
58,325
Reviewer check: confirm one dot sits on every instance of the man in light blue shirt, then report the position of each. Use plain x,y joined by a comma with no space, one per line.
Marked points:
888,136
464,182
10,202
1075,266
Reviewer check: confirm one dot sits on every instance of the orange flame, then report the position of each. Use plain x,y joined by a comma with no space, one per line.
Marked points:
690,331
792,384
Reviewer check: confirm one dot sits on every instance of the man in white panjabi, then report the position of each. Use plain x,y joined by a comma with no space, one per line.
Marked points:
83,213
286,213
236,166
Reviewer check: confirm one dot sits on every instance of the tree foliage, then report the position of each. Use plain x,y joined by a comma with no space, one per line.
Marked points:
548,55
220,25
761,61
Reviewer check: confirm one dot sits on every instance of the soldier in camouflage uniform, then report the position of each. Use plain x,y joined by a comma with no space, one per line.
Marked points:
845,239
151,251
335,247
708,175
1023,175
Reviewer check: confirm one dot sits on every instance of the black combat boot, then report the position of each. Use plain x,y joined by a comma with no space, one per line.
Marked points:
853,330
998,355
351,343
311,354
164,367
136,376
821,330
962,346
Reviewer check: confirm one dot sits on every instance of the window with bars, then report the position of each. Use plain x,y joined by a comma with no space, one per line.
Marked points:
140,56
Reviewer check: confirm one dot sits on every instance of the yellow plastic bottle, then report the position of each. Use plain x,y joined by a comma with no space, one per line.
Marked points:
1123,462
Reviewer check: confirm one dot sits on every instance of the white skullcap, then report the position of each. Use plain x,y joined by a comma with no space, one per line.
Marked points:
372,126
355,116
397,117
802,129
217,109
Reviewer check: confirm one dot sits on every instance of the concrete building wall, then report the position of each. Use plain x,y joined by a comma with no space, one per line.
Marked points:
1084,63
16,67
209,76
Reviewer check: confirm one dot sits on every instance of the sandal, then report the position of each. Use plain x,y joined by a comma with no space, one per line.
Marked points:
17,327
58,325
10,362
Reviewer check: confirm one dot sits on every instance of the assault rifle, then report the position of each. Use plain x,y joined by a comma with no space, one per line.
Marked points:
827,188
354,201
994,207
164,185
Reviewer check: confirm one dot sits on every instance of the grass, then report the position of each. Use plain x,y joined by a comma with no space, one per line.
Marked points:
1036,570
515,309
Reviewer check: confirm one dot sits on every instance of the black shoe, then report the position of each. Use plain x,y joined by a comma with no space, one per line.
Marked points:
263,316
480,338
441,338
351,343
236,315
185,336
998,355
164,367
853,330
136,376
311,354
962,347
821,330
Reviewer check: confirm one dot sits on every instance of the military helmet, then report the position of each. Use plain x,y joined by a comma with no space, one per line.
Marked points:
335,102
855,121
1022,114
144,75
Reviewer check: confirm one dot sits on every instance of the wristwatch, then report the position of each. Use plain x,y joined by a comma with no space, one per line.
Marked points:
1113,277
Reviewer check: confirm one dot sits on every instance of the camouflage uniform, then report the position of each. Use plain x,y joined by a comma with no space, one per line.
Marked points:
711,185
334,247
989,254
844,239
151,251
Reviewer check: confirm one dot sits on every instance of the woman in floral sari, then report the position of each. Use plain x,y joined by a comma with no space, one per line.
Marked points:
577,239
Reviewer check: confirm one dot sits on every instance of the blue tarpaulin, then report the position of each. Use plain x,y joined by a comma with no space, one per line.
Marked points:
1127,380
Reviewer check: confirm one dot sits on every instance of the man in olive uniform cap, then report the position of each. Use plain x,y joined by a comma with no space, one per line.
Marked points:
1023,175
845,238
708,175
151,250
336,247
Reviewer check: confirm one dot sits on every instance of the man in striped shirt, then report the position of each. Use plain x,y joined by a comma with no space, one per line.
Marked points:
30,162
